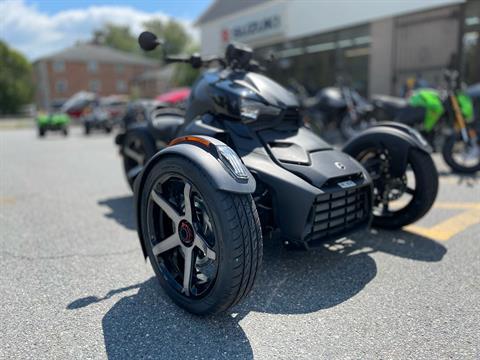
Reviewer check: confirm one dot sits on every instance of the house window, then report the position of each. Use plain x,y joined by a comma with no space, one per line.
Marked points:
94,85
59,66
92,66
61,86
121,86
119,68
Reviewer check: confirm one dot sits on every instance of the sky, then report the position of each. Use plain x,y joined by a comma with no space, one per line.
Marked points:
40,27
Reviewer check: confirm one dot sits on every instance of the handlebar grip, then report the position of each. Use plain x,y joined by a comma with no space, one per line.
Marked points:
172,59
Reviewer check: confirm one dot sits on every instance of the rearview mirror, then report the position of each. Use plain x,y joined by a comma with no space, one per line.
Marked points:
148,41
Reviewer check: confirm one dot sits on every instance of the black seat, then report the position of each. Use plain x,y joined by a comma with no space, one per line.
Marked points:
410,115
165,126
398,109
389,102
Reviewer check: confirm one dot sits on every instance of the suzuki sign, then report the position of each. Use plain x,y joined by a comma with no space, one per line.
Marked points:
251,28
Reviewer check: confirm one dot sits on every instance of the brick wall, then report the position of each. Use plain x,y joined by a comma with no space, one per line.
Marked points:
54,83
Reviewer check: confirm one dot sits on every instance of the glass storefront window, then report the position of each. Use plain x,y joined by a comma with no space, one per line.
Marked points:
471,43
316,61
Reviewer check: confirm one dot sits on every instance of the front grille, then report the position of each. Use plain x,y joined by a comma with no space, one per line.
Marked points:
336,214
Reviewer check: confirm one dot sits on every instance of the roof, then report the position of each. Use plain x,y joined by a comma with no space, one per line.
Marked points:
221,8
102,54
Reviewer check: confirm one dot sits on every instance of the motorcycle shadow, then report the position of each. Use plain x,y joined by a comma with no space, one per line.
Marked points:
301,282
147,324
121,210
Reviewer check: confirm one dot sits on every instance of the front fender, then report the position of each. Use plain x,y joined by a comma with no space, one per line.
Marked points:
206,160
398,139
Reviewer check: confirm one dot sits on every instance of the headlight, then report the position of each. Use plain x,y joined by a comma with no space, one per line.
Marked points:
250,110
232,162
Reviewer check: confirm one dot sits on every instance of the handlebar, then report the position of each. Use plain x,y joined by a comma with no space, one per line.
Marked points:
177,59
194,60
236,56
451,77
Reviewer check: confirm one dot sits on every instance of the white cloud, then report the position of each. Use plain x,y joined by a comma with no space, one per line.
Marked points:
37,34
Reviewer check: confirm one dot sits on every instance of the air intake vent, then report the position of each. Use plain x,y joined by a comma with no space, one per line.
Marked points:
338,213
292,116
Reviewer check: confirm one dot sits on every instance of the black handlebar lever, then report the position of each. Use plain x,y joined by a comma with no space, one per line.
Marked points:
237,56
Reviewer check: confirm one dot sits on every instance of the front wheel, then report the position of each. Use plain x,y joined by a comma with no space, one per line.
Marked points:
461,157
137,148
205,245
400,201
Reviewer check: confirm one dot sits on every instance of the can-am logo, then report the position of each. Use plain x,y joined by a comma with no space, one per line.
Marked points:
251,29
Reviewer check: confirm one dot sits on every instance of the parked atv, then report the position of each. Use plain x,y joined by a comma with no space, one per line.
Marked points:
446,120
97,118
242,165
53,121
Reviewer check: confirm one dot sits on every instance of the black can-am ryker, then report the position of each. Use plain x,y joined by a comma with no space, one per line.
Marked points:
241,164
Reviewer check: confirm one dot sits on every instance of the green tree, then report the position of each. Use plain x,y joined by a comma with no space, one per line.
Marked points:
184,74
174,35
16,86
117,37
176,41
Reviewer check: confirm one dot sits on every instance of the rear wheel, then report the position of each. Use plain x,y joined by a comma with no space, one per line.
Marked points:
137,148
205,245
461,157
65,131
87,128
41,132
399,201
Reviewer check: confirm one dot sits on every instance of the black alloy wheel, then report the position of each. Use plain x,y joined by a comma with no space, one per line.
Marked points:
399,201
205,245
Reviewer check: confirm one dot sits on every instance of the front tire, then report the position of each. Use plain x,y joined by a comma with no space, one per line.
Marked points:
451,156
137,148
224,253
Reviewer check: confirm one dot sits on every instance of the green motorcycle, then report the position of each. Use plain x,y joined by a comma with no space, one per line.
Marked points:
53,121
446,121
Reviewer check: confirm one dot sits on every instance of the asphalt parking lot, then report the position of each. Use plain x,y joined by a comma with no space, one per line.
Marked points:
74,284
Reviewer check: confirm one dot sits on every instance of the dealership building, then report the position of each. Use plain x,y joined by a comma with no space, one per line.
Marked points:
378,45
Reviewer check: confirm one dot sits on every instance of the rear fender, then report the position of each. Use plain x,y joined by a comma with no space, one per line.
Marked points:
418,139
206,157
398,139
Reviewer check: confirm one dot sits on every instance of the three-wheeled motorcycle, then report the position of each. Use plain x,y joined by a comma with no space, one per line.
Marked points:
242,165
